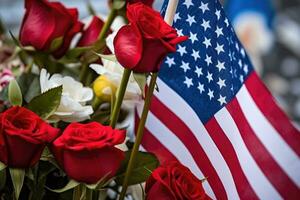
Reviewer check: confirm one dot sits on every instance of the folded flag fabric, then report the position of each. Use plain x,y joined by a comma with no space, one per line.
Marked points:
213,113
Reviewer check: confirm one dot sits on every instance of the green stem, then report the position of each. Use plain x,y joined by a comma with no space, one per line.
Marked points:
139,136
77,192
83,72
120,97
88,194
96,103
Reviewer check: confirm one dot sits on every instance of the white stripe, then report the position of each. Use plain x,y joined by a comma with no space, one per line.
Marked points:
174,145
176,104
262,187
271,139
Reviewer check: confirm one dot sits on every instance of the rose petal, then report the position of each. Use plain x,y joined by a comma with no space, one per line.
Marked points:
128,46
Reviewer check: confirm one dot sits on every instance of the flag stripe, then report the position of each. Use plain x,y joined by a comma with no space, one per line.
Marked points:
171,142
273,113
177,127
265,161
180,108
151,144
244,188
264,189
269,136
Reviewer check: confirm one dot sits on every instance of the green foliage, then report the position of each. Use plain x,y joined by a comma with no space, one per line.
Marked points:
145,164
72,184
46,103
14,93
17,177
141,80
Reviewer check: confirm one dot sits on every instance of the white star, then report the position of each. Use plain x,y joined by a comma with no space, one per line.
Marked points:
188,82
170,61
205,24
195,54
188,3
218,14
181,50
208,60
209,77
198,71
179,32
246,70
220,65
206,42
243,52
219,31
210,94
185,66
219,48
222,100
240,63
176,17
241,78
204,7
221,83
193,37
191,20
237,46
201,88
226,22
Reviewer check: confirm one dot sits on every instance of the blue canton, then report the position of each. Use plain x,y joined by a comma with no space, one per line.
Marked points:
208,69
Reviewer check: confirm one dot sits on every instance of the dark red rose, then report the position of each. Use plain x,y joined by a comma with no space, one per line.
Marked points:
87,152
91,33
174,182
46,21
23,137
144,43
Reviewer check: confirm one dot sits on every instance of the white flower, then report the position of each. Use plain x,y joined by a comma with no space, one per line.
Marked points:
74,97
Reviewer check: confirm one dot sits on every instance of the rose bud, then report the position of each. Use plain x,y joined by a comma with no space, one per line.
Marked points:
23,137
174,182
87,152
144,43
48,23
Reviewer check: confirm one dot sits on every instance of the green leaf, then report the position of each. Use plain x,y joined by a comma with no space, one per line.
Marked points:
119,4
14,93
72,55
17,176
71,184
110,57
29,85
2,166
100,184
141,80
46,103
56,43
145,163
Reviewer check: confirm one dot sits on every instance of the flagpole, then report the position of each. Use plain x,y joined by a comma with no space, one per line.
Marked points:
169,18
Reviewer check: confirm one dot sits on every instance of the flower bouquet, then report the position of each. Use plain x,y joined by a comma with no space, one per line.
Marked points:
67,93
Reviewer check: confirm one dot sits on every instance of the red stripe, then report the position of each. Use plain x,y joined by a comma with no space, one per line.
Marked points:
151,144
263,158
273,113
225,147
169,119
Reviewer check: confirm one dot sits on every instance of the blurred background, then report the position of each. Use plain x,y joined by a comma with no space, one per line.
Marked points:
269,29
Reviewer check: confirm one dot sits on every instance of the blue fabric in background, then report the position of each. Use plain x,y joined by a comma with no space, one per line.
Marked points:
234,8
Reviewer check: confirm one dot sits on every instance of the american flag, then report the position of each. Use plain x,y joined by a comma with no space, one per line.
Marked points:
213,113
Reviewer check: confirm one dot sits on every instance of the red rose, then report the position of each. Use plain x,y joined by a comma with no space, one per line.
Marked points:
23,137
86,151
144,43
46,21
146,2
91,34
174,182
